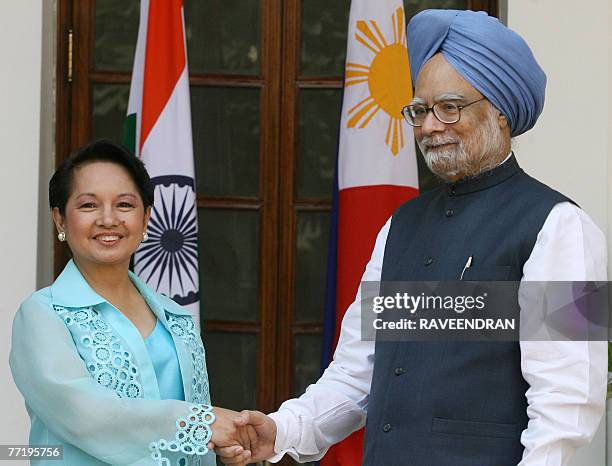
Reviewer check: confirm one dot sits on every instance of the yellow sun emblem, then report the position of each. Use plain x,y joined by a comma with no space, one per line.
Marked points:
388,78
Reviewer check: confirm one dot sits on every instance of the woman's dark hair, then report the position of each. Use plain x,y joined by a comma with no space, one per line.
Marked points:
101,150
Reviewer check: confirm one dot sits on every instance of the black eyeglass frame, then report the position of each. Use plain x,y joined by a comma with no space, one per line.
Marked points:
433,110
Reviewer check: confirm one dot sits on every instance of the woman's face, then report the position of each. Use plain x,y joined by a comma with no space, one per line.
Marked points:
104,217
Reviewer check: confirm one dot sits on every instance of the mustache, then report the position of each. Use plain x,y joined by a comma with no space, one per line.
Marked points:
438,140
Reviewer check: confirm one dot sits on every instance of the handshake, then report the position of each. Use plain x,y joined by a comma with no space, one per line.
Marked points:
242,438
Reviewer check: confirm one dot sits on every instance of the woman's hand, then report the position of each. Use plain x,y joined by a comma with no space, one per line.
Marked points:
237,438
261,447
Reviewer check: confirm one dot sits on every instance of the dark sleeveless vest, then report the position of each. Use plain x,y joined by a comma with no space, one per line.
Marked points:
456,403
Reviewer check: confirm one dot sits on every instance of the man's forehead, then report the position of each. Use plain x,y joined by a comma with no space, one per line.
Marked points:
438,78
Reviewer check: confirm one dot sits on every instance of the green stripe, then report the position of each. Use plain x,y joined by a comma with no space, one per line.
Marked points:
129,133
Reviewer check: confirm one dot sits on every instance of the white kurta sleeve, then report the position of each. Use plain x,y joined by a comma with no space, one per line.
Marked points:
335,406
60,391
566,398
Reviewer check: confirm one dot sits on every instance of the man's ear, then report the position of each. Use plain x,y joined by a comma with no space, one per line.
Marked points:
58,219
502,121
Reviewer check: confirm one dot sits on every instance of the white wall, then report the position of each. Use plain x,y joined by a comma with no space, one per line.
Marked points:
572,41
21,38
571,44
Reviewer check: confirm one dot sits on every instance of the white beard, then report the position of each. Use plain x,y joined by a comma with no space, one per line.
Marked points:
469,158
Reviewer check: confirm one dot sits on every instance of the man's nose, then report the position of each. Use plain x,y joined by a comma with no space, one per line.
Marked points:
431,124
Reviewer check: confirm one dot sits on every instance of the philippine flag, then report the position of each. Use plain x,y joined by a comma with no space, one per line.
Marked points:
377,168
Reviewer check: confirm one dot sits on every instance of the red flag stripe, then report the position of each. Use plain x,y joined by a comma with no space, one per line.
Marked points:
346,453
164,60
362,212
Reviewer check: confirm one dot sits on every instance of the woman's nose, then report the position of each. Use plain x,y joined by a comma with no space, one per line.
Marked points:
108,217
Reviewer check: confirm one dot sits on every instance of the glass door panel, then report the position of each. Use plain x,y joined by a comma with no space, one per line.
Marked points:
319,111
226,132
115,33
311,264
307,366
323,41
229,264
109,110
232,358
223,36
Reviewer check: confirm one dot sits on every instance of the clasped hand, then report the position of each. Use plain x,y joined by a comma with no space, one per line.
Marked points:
242,438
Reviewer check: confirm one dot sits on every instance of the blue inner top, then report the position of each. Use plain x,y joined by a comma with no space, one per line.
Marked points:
165,362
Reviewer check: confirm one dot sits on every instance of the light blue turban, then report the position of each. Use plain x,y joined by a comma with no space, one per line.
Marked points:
491,57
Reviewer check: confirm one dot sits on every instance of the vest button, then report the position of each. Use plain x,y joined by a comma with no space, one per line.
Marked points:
429,261
452,190
398,371
450,212
386,427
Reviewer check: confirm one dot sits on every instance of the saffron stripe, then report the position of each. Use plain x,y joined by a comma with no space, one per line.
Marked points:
164,60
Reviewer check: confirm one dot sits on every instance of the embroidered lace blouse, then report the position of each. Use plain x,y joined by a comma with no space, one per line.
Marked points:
90,383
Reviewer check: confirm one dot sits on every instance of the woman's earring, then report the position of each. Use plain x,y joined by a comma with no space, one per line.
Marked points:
61,236
145,236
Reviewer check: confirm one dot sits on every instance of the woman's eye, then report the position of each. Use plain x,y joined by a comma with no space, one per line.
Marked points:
125,205
88,205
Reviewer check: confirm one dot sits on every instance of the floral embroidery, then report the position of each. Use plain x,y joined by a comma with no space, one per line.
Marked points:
113,367
111,364
192,436
183,327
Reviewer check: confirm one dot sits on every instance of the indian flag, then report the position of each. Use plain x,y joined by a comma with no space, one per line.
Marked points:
377,169
158,130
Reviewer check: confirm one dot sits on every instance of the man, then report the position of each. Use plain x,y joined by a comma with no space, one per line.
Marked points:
461,403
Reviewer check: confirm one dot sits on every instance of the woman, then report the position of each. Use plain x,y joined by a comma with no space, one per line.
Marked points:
109,369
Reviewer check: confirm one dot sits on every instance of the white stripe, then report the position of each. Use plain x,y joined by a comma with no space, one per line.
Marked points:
169,148
364,158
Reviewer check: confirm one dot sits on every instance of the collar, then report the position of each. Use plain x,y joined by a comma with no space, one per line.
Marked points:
156,300
497,175
71,289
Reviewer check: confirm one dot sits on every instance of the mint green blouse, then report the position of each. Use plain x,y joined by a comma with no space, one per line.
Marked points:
165,363
90,382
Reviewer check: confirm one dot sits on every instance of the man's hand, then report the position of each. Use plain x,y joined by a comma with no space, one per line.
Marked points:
261,445
237,437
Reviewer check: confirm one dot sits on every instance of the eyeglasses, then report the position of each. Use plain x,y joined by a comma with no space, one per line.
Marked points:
446,112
